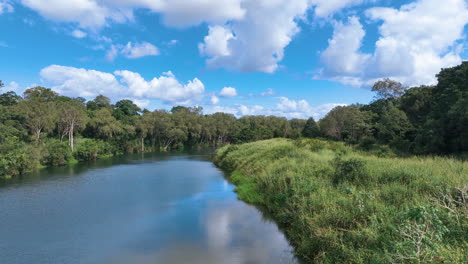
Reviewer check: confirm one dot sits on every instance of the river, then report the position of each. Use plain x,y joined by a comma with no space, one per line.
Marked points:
157,208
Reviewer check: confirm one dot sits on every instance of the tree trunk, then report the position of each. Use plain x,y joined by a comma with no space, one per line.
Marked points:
142,144
38,135
70,136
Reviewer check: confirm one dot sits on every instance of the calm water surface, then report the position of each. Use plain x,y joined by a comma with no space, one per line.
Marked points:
133,209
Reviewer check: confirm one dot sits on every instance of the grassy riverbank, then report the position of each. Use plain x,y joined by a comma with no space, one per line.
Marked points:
338,205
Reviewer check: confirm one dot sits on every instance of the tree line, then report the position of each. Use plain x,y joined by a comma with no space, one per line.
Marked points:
417,120
43,128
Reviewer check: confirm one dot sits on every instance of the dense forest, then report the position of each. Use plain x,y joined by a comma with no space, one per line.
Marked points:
43,128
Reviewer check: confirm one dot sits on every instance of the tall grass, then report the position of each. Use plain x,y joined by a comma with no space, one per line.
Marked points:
338,205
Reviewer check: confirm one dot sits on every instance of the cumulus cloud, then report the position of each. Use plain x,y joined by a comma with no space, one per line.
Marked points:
284,108
98,13
87,13
166,87
132,51
72,81
78,33
342,57
216,43
302,109
5,7
415,42
257,42
228,92
139,50
244,35
214,100
325,8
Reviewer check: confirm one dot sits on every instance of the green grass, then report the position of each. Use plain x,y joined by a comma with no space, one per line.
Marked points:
338,205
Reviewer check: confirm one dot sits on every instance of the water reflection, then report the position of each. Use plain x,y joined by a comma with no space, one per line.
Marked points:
155,209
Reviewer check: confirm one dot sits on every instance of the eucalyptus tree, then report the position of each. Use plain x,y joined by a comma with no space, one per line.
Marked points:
72,118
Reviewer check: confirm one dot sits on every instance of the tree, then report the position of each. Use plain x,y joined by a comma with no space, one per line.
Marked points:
103,125
416,103
39,116
448,118
348,123
40,93
311,129
72,118
143,128
125,109
387,88
9,98
99,102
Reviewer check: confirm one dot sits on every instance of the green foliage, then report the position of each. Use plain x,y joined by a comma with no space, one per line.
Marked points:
387,88
352,171
9,98
422,232
311,129
90,150
58,153
338,205
15,159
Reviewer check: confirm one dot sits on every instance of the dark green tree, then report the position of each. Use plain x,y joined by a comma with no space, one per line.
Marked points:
311,129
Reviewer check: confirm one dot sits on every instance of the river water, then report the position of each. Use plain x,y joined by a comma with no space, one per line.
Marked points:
158,208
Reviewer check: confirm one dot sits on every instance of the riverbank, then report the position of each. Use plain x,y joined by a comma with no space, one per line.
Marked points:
338,205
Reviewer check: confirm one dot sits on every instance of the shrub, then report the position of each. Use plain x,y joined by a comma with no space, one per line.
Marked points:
15,159
58,153
367,143
87,150
352,170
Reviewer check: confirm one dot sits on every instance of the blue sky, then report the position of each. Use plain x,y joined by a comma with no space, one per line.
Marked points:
292,58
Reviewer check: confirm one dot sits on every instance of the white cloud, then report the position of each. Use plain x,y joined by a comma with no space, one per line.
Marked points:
12,86
342,56
141,103
112,53
166,87
186,13
78,33
98,13
244,35
214,100
173,42
228,92
139,50
216,43
325,8
87,13
268,92
6,7
72,81
284,108
132,51
415,42
256,42
302,109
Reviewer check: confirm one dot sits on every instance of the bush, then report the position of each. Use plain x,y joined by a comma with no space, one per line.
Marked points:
58,153
90,150
367,143
15,159
352,170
